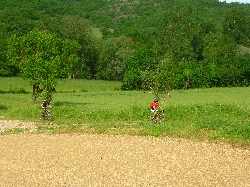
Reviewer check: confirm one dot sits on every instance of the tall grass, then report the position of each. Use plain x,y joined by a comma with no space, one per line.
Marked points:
216,114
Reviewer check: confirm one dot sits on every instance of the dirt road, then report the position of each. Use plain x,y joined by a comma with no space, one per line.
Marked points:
104,160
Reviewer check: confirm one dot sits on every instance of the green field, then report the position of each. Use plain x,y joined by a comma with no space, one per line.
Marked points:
216,114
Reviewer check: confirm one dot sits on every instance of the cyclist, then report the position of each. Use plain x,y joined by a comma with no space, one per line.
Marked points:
44,105
153,107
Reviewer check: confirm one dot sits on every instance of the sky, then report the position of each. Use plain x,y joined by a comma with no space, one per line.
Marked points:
240,1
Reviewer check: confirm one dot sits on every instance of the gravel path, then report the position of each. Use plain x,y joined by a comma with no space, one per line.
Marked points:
104,160
10,124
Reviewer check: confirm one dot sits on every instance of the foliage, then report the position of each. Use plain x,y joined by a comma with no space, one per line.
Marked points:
197,41
236,24
78,29
142,61
42,58
113,57
183,34
7,69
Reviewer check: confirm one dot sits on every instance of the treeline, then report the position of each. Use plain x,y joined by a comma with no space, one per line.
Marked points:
158,44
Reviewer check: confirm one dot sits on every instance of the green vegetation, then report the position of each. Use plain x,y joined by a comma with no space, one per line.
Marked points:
44,59
158,46
215,114
190,43
15,84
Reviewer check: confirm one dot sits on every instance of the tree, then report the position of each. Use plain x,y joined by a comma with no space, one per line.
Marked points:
236,23
184,30
159,80
113,57
145,60
42,58
6,69
218,46
76,28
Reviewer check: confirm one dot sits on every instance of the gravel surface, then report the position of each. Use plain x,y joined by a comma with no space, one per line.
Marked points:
105,160
10,124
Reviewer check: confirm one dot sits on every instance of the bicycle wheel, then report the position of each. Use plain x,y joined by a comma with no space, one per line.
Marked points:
161,118
48,116
154,119
43,115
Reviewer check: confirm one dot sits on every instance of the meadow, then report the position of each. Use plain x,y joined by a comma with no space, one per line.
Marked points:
94,106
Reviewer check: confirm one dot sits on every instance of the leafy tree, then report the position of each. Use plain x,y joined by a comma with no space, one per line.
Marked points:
76,28
159,79
6,69
145,60
236,23
183,34
11,22
42,58
218,46
113,57
15,22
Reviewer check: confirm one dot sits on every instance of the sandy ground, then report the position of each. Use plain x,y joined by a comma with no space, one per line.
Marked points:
104,160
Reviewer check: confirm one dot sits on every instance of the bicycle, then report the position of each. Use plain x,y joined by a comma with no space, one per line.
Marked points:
46,115
160,118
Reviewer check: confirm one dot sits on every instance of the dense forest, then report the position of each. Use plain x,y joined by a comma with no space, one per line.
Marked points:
167,44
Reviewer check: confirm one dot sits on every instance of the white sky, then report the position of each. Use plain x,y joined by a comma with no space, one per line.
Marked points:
240,1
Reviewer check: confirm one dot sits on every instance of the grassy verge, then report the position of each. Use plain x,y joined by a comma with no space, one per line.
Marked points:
217,114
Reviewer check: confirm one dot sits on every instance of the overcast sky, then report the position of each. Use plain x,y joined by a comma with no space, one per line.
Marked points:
240,1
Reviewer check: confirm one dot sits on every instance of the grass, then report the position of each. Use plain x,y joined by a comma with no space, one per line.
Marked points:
216,114
18,85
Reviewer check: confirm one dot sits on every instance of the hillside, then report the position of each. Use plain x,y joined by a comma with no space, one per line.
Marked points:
122,39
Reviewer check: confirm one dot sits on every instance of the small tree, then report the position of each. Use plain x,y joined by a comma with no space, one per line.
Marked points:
159,80
42,58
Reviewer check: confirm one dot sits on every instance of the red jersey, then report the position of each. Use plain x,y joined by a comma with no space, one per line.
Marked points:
152,105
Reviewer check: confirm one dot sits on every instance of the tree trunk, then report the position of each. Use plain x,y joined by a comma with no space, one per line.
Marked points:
35,92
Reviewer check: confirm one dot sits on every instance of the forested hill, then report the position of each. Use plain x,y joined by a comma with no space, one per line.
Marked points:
199,40
114,15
